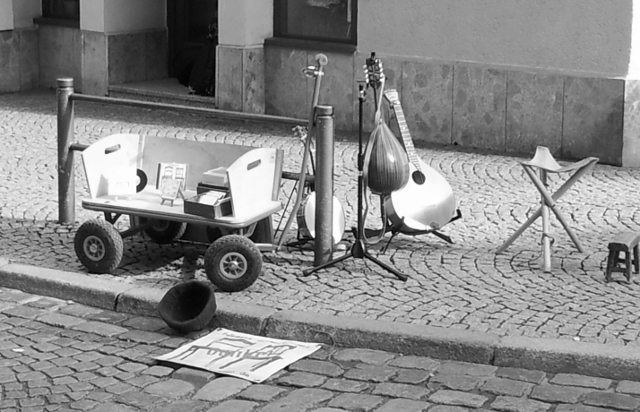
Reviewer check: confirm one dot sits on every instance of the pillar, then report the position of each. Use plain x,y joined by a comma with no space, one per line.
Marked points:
122,42
18,45
631,120
6,17
243,26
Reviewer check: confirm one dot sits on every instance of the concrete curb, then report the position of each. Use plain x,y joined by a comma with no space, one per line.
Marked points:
549,355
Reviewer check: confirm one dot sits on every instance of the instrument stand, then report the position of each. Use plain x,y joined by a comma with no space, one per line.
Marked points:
397,229
359,248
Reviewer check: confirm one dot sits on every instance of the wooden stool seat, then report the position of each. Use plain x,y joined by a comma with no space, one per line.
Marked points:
626,242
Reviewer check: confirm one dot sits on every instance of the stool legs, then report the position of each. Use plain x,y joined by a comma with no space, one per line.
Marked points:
520,230
627,265
551,200
612,260
546,239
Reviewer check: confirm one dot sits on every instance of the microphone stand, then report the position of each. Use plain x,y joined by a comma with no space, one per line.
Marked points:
359,248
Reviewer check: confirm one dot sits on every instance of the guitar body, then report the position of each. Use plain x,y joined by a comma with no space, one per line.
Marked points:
426,202
306,218
421,207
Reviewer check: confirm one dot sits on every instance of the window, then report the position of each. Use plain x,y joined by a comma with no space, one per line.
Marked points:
319,20
61,9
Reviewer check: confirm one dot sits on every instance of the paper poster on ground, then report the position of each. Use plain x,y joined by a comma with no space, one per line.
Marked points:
254,358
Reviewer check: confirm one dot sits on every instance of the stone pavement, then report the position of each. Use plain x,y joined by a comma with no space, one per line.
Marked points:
462,286
58,355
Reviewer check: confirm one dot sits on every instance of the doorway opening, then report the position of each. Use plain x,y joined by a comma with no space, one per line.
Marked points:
193,38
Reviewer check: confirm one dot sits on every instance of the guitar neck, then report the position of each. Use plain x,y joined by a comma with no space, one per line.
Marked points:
378,92
406,136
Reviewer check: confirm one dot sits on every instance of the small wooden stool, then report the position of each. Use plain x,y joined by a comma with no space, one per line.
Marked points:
623,242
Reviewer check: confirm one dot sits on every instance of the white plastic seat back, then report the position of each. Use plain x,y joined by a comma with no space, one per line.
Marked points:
112,160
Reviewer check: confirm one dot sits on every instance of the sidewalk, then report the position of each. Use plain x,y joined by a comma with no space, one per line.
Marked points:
63,356
464,286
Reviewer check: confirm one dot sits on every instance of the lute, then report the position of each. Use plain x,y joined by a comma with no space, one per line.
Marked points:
386,167
426,202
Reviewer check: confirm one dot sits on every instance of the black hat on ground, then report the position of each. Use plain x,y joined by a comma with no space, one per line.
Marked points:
188,306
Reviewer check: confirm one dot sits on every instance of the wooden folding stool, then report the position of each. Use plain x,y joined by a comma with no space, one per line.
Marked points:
544,162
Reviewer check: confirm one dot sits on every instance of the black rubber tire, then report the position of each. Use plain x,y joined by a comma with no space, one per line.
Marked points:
233,263
164,231
98,246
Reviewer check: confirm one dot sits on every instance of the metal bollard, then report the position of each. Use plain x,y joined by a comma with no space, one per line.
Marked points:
66,179
323,245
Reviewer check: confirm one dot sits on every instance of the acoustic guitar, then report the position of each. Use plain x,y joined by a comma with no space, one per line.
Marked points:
426,202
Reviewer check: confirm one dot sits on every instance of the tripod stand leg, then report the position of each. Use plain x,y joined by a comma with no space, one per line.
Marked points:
442,236
384,249
364,254
309,271
388,268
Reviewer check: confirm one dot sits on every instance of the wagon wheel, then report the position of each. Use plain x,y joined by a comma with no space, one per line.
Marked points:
233,263
98,246
163,231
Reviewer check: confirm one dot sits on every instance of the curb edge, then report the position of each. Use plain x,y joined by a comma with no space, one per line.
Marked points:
549,355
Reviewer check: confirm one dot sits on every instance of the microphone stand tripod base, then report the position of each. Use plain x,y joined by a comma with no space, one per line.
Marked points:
359,251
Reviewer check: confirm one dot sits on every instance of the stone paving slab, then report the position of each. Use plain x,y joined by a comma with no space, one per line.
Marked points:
482,352
462,286
74,366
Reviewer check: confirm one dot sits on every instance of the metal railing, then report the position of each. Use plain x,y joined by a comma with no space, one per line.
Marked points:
66,145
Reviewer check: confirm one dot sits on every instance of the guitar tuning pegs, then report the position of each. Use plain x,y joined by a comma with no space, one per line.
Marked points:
310,71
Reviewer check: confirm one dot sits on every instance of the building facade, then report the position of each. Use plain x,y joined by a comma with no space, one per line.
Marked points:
504,75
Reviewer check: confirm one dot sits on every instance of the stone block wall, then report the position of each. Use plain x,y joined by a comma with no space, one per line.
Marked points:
113,59
38,56
240,80
138,56
504,110
288,92
60,53
18,60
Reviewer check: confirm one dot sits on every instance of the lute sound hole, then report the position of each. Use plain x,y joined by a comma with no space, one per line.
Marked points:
418,177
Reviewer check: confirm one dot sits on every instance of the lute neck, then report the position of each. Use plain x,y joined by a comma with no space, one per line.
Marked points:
404,132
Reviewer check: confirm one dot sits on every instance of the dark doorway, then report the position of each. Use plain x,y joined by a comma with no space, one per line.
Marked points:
193,37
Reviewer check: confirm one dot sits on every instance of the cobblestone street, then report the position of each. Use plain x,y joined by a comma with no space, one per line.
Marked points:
60,356
464,285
